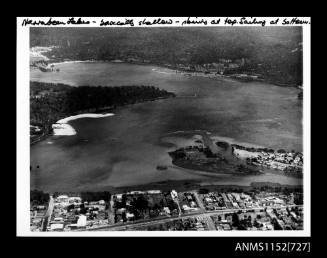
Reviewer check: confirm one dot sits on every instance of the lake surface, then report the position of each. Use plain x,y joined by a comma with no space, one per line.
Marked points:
126,148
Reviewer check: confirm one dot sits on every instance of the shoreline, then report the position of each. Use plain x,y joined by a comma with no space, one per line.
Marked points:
63,128
180,185
214,137
241,167
174,70
72,62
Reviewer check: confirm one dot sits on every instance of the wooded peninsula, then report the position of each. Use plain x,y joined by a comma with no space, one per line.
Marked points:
50,102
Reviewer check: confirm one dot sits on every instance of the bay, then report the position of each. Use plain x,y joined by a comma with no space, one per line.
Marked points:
125,149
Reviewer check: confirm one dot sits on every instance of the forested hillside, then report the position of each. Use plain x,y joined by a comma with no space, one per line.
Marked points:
275,52
50,102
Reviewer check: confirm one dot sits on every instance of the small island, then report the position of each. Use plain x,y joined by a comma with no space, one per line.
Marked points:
203,159
221,157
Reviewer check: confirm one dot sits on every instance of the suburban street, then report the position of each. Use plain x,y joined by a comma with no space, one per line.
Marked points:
204,214
48,214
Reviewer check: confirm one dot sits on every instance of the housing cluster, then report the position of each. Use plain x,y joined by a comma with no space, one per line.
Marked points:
171,210
289,162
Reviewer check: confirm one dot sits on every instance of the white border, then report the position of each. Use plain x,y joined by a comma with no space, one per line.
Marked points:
23,142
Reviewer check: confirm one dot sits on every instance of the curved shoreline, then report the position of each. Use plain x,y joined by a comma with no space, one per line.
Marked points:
72,62
38,51
176,70
213,136
62,128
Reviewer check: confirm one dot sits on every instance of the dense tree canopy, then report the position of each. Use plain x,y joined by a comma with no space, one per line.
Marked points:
95,196
38,197
51,102
275,52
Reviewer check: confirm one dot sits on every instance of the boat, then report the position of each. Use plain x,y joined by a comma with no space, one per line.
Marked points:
160,167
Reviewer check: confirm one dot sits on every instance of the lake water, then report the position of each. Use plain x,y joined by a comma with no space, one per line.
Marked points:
126,148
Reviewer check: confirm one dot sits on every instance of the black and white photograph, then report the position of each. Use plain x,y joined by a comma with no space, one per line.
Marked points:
185,127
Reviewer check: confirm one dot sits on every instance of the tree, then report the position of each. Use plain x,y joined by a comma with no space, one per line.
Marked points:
83,210
70,207
140,203
203,191
241,227
124,217
235,220
39,197
156,206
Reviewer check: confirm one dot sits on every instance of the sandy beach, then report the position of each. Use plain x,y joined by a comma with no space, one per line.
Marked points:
62,128
244,154
71,62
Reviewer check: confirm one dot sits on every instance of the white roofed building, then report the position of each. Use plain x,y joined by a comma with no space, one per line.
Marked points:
81,221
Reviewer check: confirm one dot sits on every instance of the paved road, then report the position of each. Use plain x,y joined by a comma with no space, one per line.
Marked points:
48,214
203,214
148,223
199,202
